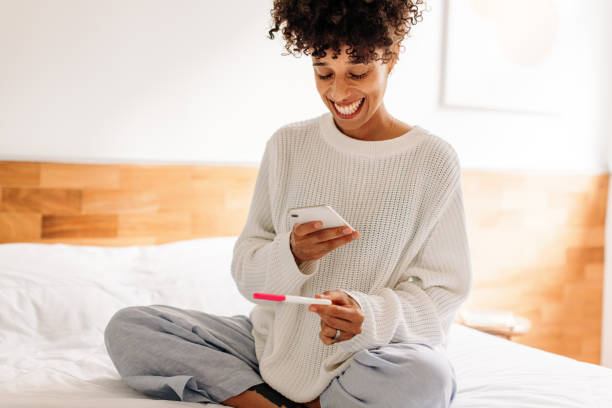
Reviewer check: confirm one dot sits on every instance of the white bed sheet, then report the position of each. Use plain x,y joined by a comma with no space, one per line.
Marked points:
56,299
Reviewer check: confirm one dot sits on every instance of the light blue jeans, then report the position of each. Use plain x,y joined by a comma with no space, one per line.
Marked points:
179,354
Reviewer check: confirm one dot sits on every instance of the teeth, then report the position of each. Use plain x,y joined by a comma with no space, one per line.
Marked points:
350,109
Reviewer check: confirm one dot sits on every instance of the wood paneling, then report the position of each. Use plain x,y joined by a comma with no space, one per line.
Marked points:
108,205
82,225
41,200
536,240
119,201
537,245
19,174
17,227
152,177
73,175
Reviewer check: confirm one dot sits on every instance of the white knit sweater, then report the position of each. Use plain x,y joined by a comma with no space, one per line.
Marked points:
404,197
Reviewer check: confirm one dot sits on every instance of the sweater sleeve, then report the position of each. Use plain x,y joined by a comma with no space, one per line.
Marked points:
424,302
262,260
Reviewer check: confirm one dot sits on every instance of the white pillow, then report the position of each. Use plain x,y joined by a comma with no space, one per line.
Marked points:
65,294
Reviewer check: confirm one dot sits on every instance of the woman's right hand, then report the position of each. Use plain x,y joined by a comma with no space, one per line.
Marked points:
308,242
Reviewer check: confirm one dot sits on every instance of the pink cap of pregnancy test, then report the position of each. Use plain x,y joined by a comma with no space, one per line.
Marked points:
269,296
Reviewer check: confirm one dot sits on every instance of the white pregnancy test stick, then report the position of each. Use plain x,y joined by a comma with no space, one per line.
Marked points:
292,299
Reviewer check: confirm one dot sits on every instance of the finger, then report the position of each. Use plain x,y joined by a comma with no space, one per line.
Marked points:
306,228
338,297
328,339
331,233
329,331
334,324
327,235
329,245
341,312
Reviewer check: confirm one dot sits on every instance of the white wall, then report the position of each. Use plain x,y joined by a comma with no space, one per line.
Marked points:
192,81
198,81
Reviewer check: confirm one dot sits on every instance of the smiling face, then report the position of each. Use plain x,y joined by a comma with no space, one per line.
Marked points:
352,92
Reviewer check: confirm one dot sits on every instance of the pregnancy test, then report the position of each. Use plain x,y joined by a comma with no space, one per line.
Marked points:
292,299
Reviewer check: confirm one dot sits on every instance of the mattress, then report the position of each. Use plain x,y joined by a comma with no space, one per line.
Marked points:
55,300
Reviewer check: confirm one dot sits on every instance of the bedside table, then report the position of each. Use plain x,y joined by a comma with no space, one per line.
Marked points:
500,323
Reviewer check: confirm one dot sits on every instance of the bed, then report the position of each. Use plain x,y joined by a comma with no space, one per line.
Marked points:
57,298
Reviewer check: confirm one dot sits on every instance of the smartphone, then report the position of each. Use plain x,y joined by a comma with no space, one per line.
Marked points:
324,213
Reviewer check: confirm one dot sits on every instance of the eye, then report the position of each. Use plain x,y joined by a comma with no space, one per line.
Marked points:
352,76
359,76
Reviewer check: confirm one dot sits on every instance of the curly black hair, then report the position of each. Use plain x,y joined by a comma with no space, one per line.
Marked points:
362,25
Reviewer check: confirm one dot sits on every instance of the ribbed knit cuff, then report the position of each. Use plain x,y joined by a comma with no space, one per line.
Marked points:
292,276
309,267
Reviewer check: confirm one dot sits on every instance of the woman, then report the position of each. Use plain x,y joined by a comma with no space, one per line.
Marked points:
395,282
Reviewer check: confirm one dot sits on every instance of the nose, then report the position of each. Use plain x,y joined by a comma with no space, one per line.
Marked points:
339,92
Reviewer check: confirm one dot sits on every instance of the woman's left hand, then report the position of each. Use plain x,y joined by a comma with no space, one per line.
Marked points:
344,313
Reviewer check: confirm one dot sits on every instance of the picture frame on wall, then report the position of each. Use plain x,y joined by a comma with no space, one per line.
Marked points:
502,55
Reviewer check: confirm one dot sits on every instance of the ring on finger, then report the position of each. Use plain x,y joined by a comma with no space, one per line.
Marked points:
337,334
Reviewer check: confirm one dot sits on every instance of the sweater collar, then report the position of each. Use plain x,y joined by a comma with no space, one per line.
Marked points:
369,148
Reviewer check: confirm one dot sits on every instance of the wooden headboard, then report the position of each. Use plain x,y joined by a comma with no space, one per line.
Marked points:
117,204
536,240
